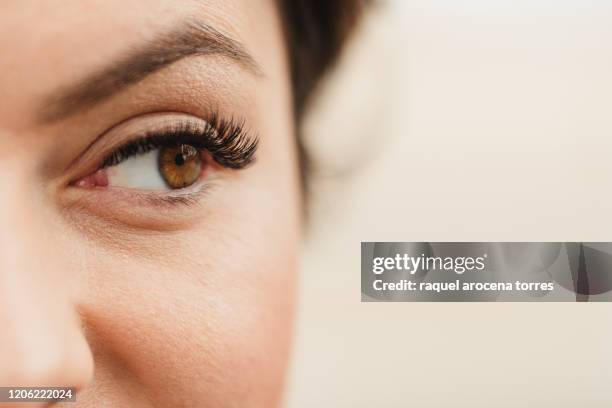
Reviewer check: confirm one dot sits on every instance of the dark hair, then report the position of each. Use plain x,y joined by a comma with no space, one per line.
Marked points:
316,31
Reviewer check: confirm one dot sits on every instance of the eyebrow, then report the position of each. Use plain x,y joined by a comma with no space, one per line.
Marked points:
192,38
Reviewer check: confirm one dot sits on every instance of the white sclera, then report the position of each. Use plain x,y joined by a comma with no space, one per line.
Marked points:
138,172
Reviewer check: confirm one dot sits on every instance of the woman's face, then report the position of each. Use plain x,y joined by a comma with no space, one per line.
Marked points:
147,252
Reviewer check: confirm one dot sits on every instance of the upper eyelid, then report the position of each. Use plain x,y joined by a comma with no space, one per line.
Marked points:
157,138
226,140
112,137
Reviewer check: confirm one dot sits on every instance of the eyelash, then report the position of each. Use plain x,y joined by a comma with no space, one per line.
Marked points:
227,141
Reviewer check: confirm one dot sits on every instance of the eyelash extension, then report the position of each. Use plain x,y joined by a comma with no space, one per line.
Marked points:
226,140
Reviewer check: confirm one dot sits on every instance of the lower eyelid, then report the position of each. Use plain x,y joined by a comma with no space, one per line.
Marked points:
188,196
139,210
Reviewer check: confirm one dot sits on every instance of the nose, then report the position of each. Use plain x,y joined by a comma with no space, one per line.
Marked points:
42,343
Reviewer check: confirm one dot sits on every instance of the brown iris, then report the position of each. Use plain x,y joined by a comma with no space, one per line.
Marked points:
180,166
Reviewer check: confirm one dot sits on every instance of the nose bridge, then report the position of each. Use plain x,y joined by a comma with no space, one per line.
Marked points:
41,342
23,250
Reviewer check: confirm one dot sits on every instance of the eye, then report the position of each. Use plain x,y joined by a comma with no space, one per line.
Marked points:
180,166
171,167
168,167
174,158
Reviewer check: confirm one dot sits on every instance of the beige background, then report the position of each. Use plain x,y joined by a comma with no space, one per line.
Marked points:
459,120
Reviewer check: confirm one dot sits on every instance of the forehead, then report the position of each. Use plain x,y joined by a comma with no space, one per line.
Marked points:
45,46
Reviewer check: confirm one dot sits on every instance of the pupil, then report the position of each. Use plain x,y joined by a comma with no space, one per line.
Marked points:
179,160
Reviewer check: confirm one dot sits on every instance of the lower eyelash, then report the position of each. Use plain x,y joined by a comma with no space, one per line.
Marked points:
227,142
189,197
186,199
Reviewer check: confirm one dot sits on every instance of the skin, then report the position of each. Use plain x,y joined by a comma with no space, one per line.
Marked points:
134,302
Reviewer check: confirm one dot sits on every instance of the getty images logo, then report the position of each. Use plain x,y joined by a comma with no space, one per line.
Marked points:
413,264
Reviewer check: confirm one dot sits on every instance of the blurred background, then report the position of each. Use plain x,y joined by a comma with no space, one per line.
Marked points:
458,120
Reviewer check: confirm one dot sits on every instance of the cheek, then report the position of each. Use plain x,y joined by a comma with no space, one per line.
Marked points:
210,321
